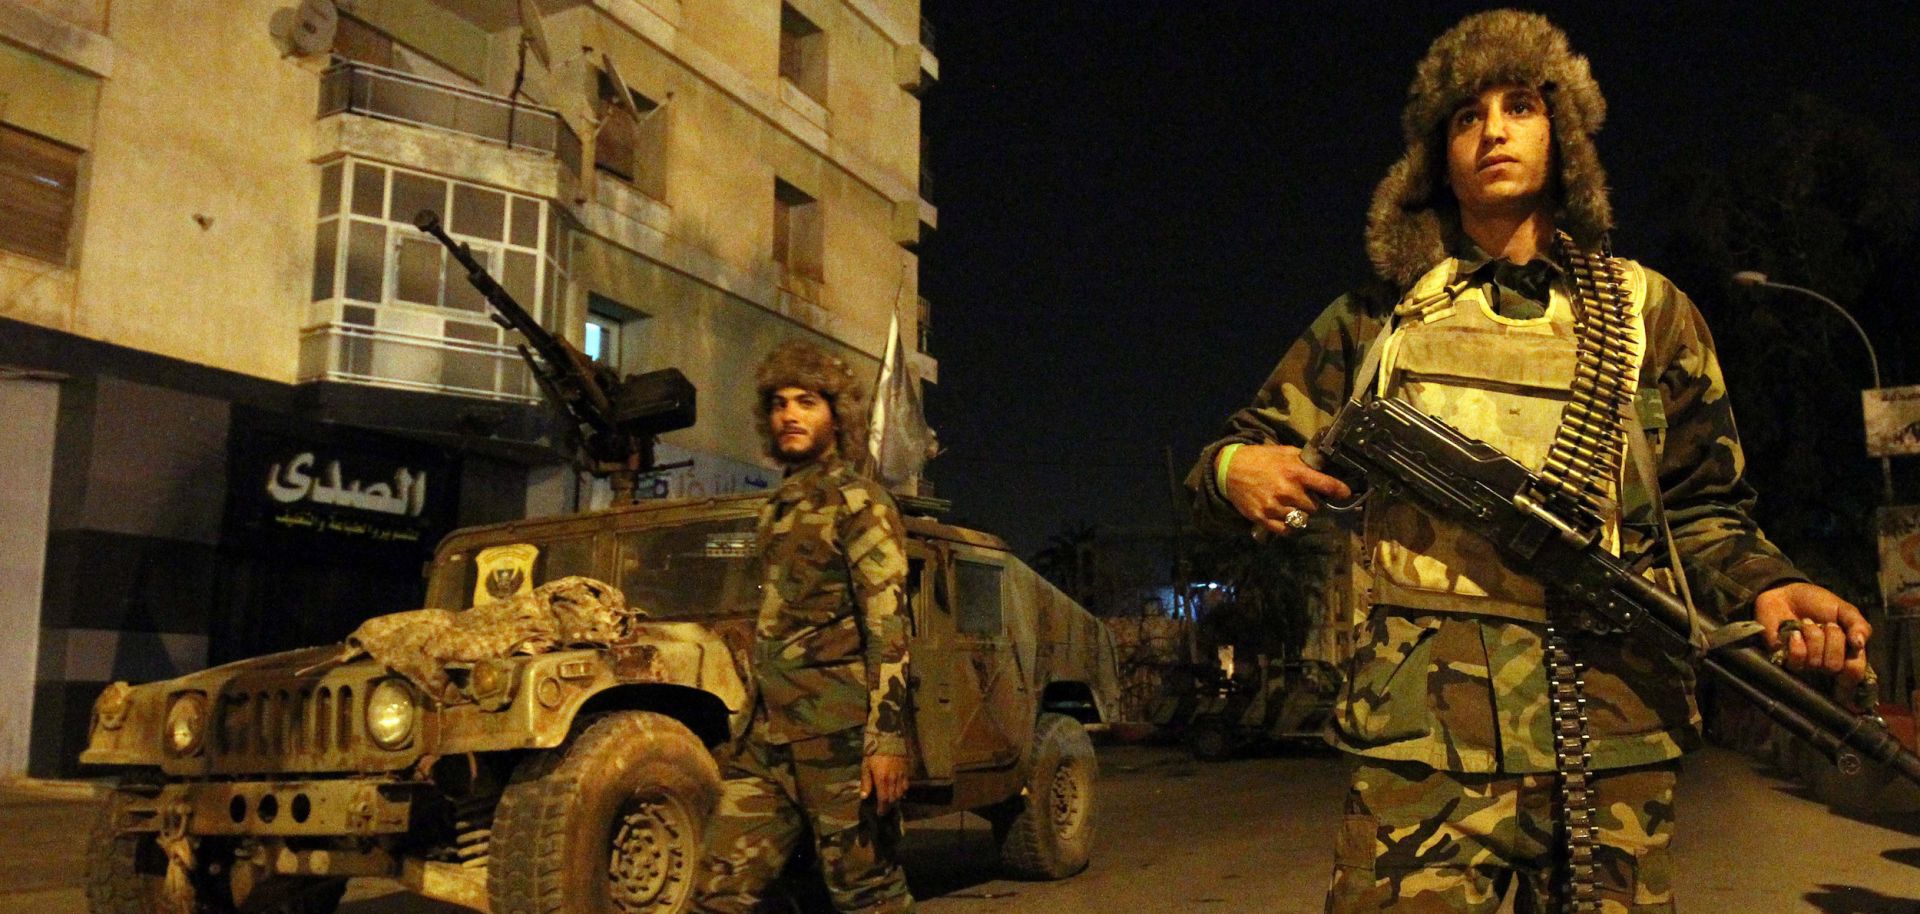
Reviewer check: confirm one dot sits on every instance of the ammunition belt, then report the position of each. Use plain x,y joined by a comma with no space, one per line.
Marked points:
1583,460
1577,482
1579,890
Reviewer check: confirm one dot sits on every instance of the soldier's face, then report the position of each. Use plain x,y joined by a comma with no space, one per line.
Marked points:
801,424
1500,152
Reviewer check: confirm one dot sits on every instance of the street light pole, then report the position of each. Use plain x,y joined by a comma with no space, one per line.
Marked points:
1758,280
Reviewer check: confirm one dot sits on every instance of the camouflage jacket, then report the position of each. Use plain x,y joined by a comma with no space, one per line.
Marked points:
1468,693
830,646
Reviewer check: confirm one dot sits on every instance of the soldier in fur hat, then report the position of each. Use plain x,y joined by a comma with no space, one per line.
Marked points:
826,747
1455,794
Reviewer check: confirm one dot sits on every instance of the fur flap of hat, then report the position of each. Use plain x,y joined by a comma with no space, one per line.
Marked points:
1412,220
804,365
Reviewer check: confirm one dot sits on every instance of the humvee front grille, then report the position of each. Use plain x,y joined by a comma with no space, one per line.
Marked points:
281,727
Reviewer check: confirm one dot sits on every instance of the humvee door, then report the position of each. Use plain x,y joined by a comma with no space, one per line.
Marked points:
964,653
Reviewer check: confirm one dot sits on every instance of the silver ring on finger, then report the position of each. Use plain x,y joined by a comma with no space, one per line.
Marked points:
1295,519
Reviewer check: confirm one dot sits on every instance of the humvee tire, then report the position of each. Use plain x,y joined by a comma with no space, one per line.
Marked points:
126,874
613,821
1048,834
1210,740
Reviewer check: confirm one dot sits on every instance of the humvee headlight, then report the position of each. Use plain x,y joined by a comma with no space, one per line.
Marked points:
390,712
186,722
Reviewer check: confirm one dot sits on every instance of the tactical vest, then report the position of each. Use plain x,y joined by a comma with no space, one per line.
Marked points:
1500,380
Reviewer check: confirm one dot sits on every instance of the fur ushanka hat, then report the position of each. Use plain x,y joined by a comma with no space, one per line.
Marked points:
1413,218
808,367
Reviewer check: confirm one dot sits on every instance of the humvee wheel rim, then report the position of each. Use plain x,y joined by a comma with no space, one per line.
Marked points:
651,862
1065,801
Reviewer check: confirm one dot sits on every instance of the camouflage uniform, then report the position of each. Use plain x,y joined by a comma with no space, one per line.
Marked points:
1466,694
1445,706
829,661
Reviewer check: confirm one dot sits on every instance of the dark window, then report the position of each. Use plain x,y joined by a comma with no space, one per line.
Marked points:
803,54
37,179
799,233
614,334
632,144
979,586
924,326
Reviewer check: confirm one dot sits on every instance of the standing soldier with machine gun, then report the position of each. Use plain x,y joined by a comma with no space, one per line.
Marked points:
1508,715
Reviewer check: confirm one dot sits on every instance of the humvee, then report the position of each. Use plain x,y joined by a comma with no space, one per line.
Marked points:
579,780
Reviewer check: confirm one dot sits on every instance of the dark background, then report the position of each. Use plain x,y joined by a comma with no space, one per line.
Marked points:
1142,203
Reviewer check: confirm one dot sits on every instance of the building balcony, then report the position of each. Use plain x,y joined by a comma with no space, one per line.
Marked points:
376,113
391,95
379,357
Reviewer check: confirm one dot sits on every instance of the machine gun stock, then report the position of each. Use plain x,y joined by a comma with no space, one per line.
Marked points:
1403,452
612,422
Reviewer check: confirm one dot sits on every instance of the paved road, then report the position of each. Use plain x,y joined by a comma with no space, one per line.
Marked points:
1244,837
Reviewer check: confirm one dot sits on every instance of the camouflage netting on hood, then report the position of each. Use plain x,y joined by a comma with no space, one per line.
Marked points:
808,367
1411,222
419,644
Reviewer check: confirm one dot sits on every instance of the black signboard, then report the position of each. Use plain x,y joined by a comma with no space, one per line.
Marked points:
294,483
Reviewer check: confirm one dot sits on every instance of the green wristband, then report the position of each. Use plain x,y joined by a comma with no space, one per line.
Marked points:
1220,466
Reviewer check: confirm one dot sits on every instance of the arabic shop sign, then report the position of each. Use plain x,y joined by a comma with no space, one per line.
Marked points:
407,496
293,484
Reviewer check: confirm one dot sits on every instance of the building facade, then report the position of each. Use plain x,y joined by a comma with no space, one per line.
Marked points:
246,395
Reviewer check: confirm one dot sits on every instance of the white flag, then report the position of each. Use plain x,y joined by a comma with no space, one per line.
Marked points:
897,433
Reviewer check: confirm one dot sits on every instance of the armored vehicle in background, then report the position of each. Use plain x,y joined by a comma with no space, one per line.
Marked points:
578,780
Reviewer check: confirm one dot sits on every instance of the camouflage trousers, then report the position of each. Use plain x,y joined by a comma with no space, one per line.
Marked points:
773,795
1415,840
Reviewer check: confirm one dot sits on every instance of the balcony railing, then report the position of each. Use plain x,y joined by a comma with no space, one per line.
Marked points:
408,99
389,358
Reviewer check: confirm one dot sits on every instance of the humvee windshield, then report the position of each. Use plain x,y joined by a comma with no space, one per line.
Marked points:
696,570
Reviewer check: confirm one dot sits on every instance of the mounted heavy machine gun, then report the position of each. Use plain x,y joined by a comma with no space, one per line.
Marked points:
611,422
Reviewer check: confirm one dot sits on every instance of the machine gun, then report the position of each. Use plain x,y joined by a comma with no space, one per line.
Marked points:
1403,452
611,421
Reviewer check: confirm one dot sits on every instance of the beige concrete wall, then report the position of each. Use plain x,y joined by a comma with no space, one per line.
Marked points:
48,98
452,42
717,62
197,236
26,469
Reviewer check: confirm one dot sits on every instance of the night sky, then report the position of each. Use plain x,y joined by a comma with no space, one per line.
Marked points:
1142,203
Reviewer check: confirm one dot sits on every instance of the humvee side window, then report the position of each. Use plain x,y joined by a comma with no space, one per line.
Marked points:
694,570
979,603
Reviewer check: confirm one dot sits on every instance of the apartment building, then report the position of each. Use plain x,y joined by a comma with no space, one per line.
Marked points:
245,396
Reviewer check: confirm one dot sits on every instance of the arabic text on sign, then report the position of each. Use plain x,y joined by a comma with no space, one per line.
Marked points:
406,496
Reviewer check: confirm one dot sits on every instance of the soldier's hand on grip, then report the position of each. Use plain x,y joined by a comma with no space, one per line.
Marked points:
1832,637
1265,482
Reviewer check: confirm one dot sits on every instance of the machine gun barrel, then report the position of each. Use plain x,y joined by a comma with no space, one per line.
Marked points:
563,371
1401,451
